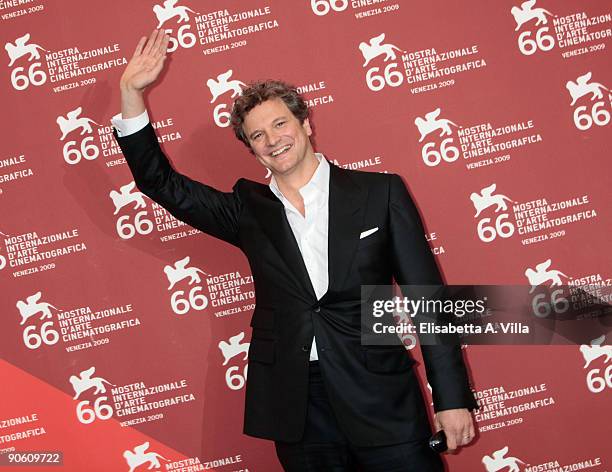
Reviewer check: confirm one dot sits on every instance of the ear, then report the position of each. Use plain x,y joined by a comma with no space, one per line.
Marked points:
306,126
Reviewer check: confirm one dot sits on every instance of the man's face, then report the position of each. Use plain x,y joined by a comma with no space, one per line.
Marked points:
277,138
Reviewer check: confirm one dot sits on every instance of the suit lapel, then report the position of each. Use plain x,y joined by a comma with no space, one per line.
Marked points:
346,212
273,220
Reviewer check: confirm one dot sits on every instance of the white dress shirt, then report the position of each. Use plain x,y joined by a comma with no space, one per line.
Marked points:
310,231
130,125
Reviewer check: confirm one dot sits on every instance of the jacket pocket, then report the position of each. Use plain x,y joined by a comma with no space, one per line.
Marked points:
263,318
388,360
371,240
262,350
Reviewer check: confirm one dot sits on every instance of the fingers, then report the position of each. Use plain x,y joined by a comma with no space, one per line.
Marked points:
451,440
157,46
465,435
163,46
458,426
139,46
471,431
437,423
468,432
456,438
150,42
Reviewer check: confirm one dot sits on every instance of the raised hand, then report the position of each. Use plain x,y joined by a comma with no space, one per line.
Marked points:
147,62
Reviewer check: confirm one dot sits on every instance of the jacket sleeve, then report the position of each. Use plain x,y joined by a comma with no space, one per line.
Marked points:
199,205
414,264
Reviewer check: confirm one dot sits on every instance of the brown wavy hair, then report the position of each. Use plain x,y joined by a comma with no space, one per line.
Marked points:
262,91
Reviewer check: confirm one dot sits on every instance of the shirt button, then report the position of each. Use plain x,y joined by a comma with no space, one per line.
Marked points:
305,348
317,309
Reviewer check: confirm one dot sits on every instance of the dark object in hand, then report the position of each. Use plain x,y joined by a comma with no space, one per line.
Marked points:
438,442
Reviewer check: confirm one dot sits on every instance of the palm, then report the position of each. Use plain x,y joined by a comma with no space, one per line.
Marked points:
142,71
147,62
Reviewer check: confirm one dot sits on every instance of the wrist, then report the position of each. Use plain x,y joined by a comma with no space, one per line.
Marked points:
128,89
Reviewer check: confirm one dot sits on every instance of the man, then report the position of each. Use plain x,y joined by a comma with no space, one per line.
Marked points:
313,237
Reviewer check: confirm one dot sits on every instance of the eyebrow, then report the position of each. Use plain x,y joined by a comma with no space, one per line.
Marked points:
276,120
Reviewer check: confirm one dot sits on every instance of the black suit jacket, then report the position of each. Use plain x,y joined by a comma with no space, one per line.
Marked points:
373,390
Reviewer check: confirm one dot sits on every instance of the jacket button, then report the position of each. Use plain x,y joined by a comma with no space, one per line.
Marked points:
317,309
305,348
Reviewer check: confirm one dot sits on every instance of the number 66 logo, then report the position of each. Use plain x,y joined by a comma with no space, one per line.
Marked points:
195,300
598,115
87,415
487,232
543,42
432,156
141,225
322,7
21,81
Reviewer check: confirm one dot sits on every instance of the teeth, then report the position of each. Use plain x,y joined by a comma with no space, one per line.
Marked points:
281,150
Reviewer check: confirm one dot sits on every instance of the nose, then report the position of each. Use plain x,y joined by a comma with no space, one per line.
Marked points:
272,139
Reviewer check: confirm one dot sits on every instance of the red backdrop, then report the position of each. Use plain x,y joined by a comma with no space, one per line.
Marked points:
494,109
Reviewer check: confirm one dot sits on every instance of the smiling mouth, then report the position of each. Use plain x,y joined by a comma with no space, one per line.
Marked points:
280,151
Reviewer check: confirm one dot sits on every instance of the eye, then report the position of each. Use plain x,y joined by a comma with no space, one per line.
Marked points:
280,123
256,136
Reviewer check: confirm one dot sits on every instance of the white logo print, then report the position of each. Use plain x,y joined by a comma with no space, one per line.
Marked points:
582,87
223,84
541,275
497,461
406,335
33,335
139,457
527,13
485,199
20,49
431,153
322,7
527,43
73,122
85,381
73,152
125,196
184,37
32,307
195,299
543,304
2,262
598,378
431,123
218,87
233,378
234,347
599,113
22,77
596,350
170,10
180,271
85,413
375,48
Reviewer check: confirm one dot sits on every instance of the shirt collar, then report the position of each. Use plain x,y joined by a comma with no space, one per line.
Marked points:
317,185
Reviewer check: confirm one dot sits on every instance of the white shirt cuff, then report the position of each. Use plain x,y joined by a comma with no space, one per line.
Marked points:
129,125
